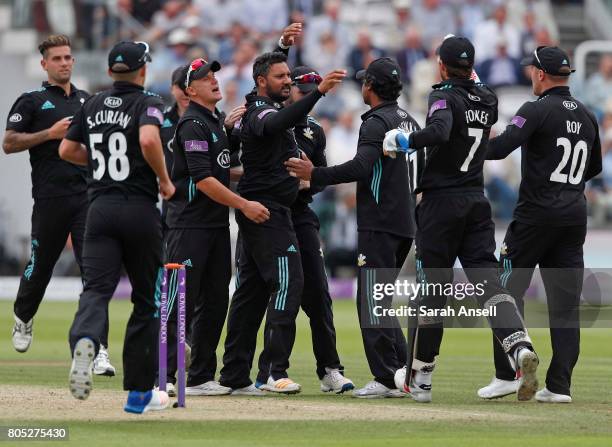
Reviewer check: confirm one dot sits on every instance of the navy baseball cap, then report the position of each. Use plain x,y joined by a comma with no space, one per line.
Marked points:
551,60
179,75
383,70
199,68
306,79
457,52
125,57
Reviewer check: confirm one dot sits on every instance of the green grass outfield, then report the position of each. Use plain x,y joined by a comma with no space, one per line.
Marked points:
455,418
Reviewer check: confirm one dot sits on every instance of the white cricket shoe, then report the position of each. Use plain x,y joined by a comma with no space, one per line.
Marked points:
498,388
549,397
250,390
22,334
102,364
528,381
333,380
142,401
210,388
80,377
170,389
420,387
376,390
284,386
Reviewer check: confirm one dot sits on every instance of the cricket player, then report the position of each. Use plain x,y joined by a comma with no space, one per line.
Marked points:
37,123
560,151
120,129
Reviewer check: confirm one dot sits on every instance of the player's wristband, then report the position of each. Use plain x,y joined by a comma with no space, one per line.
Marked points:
281,45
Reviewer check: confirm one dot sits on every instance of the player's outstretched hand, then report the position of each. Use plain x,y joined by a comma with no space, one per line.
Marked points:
256,211
166,189
234,116
331,79
290,33
300,168
396,140
60,128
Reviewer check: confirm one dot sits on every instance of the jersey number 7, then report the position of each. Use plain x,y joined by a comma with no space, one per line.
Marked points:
477,134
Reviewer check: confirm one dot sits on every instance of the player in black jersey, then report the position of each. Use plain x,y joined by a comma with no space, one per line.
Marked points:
560,151
198,223
454,219
316,301
385,219
270,265
172,115
120,129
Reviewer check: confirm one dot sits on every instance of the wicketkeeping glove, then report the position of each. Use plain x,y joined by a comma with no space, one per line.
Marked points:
396,140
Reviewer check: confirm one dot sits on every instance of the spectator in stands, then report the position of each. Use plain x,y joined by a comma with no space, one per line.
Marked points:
394,35
231,97
145,9
165,20
472,13
325,33
598,87
486,34
341,248
501,70
241,69
435,20
342,139
528,34
176,53
265,19
230,42
541,10
412,52
425,73
218,16
362,54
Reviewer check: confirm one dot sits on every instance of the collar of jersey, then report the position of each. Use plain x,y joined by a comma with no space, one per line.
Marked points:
196,108
123,85
265,99
562,90
454,81
378,107
49,86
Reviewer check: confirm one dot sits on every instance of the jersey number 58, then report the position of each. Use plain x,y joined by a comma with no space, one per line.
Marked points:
118,163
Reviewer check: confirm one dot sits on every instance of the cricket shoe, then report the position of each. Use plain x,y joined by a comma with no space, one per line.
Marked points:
498,388
528,381
170,389
376,390
549,397
419,386
22,334
333,380
81,378
139,402
250,390
102,364
210,388
283,385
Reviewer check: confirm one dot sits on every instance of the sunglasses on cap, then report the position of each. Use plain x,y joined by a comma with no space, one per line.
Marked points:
307,78
535,54
146,56
194,66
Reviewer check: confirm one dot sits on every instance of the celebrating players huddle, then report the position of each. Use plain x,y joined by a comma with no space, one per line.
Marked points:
279,264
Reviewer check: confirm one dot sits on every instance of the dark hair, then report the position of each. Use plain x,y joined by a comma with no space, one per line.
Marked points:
55,40
262,64
385,91
456,72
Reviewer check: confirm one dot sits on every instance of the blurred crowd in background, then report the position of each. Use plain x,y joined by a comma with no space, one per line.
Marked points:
341,34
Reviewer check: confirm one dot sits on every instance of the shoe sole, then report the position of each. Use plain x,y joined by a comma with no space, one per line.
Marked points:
528,383
346,387
498,396
207,393
81,380
106,372
390,395
280,391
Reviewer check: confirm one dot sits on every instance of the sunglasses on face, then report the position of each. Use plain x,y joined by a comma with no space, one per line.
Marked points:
308,78
146,56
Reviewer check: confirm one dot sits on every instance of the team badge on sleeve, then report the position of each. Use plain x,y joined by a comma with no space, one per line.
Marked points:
438,105
154,112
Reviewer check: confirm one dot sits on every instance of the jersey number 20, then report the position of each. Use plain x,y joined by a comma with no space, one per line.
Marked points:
118,163
575,172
